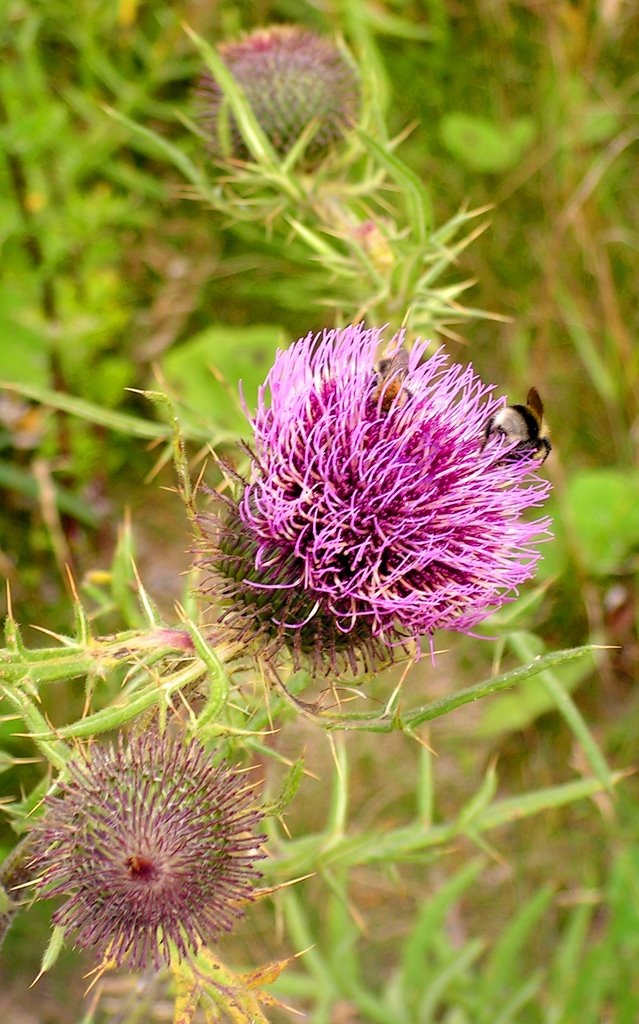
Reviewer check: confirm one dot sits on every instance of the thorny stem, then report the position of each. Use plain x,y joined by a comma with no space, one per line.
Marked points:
97,657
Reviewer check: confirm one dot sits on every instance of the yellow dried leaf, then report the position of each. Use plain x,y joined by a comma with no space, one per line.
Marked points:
266,974
187,995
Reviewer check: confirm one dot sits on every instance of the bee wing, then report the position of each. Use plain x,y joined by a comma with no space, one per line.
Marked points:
397,363
535,404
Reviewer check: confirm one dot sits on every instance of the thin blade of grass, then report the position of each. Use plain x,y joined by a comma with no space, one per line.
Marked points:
123,422
412,719
570,712
252,131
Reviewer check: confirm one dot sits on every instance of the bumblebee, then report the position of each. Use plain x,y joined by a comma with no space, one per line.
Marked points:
523,424
391,376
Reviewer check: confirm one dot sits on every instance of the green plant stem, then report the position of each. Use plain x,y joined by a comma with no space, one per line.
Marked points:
73,660
410,720
414,841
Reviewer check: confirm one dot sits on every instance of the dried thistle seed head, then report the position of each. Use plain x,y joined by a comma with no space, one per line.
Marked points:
290,76
367,523
152,845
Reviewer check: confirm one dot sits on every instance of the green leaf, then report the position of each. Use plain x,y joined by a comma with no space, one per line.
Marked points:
526,644
603,510
426,934
218,680
161,146
21,480
454,970
500,682
290,786
516,711
24,352
53,950
414,842
568,960
480,800
420,211
123,579
482,145
56,752
194,371
596,123
512,711
499,973
126,707
134,426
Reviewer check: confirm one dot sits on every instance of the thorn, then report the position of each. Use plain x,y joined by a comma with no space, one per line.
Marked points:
422,742
338,767
268,890
71,581
283,825
200,478
163,459
64,640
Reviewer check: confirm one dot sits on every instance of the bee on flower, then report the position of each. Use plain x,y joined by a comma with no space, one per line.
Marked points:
374,513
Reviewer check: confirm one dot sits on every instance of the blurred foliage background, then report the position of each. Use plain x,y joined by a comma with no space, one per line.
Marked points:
115,276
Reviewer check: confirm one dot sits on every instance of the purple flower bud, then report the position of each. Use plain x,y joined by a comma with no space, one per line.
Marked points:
376,512
153,846
290,77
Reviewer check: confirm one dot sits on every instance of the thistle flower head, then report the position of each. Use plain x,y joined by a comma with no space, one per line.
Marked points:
153,846
376,511
290,76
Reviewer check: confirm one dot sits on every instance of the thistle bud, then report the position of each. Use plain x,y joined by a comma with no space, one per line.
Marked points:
290,76
153,847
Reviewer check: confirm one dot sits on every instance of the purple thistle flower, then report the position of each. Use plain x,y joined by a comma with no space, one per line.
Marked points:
374,514
290,76
399,516
153,846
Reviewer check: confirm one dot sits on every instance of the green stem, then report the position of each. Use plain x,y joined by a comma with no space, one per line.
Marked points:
98,657
412,719
414,841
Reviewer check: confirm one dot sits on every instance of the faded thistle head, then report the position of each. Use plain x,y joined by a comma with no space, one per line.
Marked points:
153,847
290,76
374,514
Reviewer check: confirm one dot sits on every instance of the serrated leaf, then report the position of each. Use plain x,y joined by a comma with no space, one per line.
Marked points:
53,950
290,786
266,974
187,994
